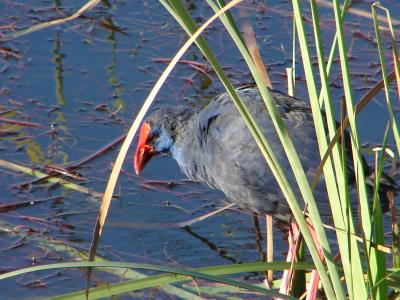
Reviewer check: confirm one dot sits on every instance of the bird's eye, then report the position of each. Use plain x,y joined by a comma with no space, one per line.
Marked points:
152,138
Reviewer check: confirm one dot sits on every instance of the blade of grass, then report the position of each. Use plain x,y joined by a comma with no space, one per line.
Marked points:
175,271
288,146
47,243
356,11
393,120
87,6
251,44
377,211
296,166
291,81
105,204
330,178
168,279
361,104
64,183
293,72
336,183
374,264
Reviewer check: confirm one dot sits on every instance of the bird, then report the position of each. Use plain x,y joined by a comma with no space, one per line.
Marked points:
212,145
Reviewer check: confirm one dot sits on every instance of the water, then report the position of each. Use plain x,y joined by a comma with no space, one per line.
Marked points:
86,80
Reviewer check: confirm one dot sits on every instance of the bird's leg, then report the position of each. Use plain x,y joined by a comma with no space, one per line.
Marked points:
270,245
269,275
314,281
293,240
294,234
259,237
267,281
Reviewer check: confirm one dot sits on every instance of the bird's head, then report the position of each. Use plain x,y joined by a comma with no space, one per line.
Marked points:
153,139
158,133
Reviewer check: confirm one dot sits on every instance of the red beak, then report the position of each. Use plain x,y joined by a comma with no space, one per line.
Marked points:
143,152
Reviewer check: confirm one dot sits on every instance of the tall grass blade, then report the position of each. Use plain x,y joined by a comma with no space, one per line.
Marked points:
336,182
337,207
377,211
345,123
105,204
393,120
374,266
303,184
265,149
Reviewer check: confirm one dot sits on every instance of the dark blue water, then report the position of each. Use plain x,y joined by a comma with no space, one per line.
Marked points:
87,79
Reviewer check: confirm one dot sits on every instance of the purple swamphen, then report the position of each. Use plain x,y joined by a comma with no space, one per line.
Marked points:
213,146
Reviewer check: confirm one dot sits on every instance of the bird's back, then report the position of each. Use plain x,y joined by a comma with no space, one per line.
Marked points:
220,151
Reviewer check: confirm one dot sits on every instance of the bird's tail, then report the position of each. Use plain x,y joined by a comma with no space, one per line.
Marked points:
386,185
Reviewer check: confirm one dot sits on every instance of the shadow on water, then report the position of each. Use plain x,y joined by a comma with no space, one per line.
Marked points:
221,252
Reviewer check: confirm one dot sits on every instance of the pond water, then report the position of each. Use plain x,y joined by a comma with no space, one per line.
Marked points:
83,82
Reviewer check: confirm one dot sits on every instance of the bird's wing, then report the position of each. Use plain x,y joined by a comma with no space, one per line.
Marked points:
233,160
